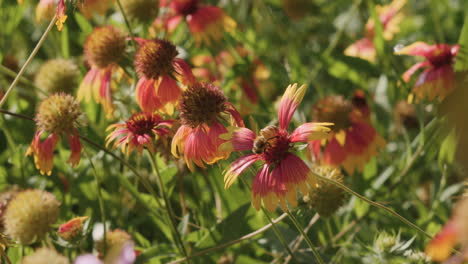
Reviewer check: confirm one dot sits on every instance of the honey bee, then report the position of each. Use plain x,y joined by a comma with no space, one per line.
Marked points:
263,141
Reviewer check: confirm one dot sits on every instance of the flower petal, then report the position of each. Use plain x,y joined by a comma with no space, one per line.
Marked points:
310,132
238,139
289,102
237,167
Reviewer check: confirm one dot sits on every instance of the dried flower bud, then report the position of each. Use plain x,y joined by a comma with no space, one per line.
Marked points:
142,11
73,229
59,113
114,239
104,46
29,215
58,75
45,256
326,197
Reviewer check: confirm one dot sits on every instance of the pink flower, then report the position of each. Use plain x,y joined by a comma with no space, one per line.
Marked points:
437,80
282,171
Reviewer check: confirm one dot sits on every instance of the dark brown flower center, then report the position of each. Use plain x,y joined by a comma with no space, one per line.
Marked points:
441,56
143,123
104,46
201,103
277,146
155,58
334,109
185,7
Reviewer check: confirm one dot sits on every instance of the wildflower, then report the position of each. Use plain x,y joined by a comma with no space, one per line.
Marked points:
73,229
140,131
124,255
455,231
103,49
89,7
47,8
390,17
353,140
206,23
57,75
282,171
58,115
326,197
438,79
142,11
115,239
29,216
45,256
201,111
158,68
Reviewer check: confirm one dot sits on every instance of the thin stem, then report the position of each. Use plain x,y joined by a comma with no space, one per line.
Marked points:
168,206
127,23
4,70
245,237
101,202
378,205
297,242
317,256
31,56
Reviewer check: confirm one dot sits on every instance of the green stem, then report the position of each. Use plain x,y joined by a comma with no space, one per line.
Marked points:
307,239
127,23
101,202
378,205
31,56
168,206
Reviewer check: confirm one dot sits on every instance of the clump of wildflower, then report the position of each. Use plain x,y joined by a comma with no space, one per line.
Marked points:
159,70
202,109
57,75
438,78
142,11
58,115
29,216
326,197
390,17
140,131
103,49
115,239
45,256
73,229
282,171
206,23
353,140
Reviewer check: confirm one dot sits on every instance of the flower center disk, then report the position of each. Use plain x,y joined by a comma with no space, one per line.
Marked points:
155,58
334,109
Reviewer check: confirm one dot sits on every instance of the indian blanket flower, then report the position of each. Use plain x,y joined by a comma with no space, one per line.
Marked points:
390,17
159,70
353,140
206,23
454,232
438,78
103,49
139,132
58,115
201,113
282,171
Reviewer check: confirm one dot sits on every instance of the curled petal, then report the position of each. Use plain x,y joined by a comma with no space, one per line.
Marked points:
168,92
289,102
235,114
440,247
198,148
237,167
310,132
43,152
185,74
75,146
238,139
416,49
407,75
363,48
146,95
61,16
178,141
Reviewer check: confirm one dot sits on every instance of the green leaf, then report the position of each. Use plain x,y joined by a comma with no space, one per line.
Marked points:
461,62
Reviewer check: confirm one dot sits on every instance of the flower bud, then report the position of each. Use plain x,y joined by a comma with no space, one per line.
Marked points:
73,229
45,256
29,215
58,75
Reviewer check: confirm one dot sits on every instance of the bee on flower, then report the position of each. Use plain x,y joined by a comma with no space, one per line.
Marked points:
206,23
103,49
58,115
438,79
390,17
282,171
353,140
159,70
202,108
139,132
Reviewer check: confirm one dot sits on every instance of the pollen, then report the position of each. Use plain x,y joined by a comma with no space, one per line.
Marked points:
334,109
201,103
59,113
155,58
104,46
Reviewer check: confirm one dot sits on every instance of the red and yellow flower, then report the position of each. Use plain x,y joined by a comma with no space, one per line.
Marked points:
438,78
103,49
73,229
202,108
353,140
282,171
139,132
159,70
390,17
206,23
58,115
